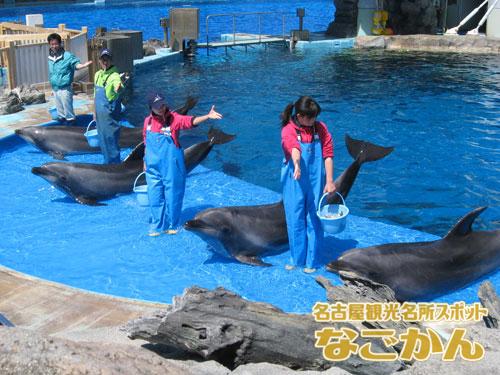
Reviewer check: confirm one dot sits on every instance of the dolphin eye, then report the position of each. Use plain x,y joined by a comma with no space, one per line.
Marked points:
225,230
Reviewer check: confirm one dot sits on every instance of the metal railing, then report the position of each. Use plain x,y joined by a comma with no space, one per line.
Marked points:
234,15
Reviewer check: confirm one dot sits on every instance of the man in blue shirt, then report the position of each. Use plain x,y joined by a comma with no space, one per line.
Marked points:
62,66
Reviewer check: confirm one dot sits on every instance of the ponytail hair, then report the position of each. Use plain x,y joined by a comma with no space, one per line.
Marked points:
286,115
305,106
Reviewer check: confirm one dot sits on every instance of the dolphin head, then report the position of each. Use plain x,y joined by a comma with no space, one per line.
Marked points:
30,134
56,174
355,261
215,227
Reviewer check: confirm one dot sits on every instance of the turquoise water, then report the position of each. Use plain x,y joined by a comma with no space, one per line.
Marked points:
105,249
136,15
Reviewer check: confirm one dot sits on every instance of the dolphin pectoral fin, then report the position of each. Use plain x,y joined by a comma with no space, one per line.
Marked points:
253,261
89,201
57,155
464,225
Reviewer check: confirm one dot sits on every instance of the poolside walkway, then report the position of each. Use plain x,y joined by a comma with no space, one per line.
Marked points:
61,311
36,114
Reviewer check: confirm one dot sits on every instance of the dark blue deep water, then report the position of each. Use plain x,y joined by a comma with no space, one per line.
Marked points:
145,15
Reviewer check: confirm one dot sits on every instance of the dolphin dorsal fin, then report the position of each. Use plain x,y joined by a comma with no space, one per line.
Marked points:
464,225
136,154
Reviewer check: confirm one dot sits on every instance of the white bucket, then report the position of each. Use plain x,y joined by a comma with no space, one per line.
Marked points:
141,192
333,217
91,135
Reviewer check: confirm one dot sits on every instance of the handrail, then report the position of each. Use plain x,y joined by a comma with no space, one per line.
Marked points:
234,15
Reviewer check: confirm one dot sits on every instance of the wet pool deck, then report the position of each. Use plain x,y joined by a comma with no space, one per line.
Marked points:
37,114
55,309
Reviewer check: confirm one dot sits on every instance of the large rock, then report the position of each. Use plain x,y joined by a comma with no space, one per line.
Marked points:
345,21
29,95
24,352
489,299
10,103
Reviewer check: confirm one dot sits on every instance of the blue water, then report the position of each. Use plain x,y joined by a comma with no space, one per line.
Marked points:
105,249
440,112
136,15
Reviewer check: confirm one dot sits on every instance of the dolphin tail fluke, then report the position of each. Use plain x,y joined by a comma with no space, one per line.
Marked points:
218,137
464,225
253,261
136,154
365,151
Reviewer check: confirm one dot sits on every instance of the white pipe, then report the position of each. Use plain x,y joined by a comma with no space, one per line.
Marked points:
483,20
454,30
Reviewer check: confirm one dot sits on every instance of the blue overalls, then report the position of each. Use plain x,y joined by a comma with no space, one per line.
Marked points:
301,198
107,115
166,179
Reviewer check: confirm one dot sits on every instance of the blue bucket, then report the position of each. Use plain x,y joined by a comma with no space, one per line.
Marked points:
141,192
91,135
333,217
53,113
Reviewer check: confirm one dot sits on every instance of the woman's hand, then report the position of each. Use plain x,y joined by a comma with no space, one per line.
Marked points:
213,114
330,187
296,163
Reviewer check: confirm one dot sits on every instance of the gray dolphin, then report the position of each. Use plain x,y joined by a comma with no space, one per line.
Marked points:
423,270
89,183
60,140
247,232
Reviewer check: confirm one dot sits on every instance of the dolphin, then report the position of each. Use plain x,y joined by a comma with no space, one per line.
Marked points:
60,140
424,270
247,232
89,183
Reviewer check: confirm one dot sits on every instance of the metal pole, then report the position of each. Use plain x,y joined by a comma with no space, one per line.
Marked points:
234,29
260,39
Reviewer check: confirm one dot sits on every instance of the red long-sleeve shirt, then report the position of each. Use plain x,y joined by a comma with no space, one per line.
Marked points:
177,123
289,138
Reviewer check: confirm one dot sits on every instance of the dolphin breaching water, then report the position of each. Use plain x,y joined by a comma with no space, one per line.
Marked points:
424,270
59,140
89,183
248,232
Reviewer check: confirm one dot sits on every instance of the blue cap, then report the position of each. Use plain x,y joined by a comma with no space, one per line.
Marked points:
156,100
105,52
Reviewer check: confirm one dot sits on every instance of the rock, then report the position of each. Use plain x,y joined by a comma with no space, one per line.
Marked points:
268,368
490,300
346,19
220,325
10,103
148,50
490,364
29,95
25,352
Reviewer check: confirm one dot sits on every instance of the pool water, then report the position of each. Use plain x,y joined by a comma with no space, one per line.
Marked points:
106,249
440,112
137,15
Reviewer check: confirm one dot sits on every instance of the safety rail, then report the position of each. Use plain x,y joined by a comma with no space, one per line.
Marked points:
260,37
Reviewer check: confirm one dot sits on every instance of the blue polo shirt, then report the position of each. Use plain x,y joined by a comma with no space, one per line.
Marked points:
62,70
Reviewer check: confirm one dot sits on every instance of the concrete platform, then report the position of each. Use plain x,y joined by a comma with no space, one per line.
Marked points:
36,114
61,311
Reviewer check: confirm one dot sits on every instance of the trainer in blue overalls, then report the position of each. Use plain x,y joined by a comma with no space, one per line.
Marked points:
307,173
108,87
164,162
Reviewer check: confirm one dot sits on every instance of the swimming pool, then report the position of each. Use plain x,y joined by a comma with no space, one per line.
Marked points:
441,112
137,15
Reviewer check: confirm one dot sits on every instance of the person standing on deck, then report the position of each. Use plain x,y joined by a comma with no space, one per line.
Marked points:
306,174
164,162
62,66
107,104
